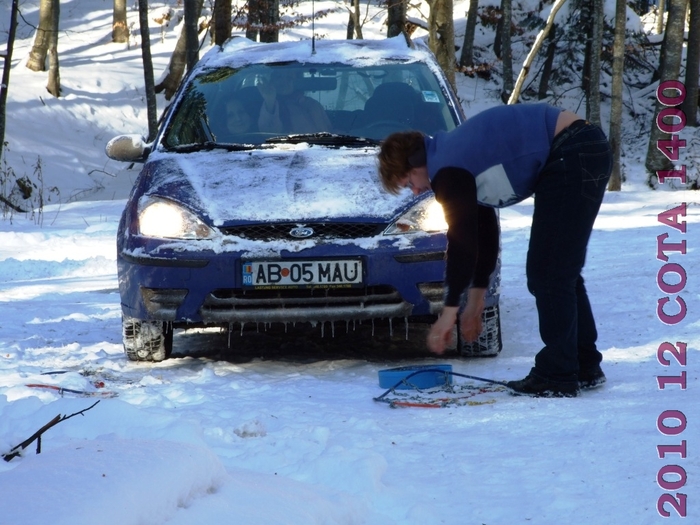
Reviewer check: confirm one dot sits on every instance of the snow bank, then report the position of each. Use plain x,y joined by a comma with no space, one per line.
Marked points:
110,481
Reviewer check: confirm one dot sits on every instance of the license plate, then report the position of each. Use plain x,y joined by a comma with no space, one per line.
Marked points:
338,273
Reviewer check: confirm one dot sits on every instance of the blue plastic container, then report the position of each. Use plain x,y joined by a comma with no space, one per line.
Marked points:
427,376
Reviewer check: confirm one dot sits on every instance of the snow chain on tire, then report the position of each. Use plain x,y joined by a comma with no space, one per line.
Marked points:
489,343
146,340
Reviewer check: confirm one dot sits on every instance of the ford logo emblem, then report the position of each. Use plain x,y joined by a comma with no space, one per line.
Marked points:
301,232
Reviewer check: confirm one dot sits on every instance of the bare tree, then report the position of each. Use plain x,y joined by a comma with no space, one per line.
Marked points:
466,58
222,21
548,63
671,52
594,48
191,31
7,66
37,56
692,66
441,36
533,52
251,32
263,20
151,107
354,21
54,84
350,30
506,49
178,60
269,18
396,18
660,16
120,29
618,65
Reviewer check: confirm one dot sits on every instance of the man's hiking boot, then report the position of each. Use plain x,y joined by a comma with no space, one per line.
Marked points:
537,386
592,378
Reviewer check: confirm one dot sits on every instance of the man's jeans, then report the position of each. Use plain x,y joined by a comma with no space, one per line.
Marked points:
567,199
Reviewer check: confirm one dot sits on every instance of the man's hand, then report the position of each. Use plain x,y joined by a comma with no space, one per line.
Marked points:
470,322
441,332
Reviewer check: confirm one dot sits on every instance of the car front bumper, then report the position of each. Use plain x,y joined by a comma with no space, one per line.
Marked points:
203,287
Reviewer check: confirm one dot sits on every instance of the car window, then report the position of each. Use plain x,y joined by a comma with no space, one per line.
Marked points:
258,102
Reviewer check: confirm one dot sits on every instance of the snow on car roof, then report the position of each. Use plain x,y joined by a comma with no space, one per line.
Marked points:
238,52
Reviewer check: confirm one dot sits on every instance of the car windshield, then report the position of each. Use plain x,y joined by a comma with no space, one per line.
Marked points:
331,103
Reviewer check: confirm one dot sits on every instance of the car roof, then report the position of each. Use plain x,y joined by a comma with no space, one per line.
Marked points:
238,52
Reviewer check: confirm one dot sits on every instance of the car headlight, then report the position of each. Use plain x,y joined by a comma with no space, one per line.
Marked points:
165,219
426,216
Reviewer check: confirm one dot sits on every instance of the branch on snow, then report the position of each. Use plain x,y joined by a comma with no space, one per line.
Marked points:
17,450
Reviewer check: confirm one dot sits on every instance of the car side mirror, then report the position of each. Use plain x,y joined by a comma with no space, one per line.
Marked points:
127,148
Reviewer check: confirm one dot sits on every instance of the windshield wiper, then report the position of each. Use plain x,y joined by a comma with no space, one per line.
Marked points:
323,138
209,145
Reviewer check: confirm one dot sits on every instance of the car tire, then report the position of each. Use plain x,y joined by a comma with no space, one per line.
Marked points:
146,340
489,343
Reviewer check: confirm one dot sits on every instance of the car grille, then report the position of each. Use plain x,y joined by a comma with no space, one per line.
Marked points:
300,305
321,230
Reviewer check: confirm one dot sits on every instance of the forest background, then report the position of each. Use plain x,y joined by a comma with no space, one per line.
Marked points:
619,61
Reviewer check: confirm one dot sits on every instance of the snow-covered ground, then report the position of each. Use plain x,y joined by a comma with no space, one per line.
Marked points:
286,431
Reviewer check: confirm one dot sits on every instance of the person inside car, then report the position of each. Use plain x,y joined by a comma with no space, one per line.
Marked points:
239,118
285,108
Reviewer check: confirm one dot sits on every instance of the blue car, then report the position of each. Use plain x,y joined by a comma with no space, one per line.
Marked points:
259,200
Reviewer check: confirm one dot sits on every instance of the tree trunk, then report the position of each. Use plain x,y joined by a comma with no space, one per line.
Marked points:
222,21
498,39
692,69
549,61
671,51
178,60
441,36
358,24
176,69
586,22
191,32
7,67
618,65
37,56
533,52
593,91
263,19
148,70
120,29
507,52
466,59
660,17
269,18
351,21
251,32
396,18
54,83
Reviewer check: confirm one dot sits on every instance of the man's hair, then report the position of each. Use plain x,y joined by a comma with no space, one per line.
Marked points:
400,153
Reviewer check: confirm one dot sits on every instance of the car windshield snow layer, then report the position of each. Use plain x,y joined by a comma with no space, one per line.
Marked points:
259,201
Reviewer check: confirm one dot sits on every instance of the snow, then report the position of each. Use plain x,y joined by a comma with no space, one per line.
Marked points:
283,429
312,171
361,55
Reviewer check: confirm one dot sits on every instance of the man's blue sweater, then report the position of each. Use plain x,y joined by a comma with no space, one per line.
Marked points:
504,148
492,160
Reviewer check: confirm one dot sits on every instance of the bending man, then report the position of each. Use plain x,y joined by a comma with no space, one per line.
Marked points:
495,159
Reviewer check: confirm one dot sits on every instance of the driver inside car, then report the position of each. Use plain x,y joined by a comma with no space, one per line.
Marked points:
286,109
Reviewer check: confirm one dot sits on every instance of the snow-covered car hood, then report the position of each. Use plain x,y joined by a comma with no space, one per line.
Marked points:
285,183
